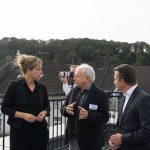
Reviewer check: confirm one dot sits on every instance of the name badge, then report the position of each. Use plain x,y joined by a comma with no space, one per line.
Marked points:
93,107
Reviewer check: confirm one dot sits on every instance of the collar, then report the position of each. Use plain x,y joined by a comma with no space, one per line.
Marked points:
130,91
24,82
86,89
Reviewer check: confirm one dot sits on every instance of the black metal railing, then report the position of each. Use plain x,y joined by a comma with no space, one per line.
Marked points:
57,122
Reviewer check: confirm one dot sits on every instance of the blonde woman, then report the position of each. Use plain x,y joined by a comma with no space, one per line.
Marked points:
26,103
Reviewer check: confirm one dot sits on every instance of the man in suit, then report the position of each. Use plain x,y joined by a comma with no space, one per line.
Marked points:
87,110
133,113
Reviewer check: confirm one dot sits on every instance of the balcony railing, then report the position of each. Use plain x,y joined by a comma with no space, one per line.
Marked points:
57,122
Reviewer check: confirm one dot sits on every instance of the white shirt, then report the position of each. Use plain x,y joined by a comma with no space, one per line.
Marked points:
66,88
127,95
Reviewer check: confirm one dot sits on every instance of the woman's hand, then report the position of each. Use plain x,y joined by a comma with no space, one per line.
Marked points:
26,116
41,116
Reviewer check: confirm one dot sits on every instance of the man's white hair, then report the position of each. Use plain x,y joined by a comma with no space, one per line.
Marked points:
87,70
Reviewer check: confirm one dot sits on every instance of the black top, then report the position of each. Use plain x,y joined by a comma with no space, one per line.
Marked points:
82,96
18,97
33,100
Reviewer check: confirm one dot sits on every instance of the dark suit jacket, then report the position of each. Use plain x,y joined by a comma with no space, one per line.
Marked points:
89,131
134,124
15,100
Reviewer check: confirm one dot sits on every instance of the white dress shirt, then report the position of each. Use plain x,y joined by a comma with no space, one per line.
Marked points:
66,88
127,96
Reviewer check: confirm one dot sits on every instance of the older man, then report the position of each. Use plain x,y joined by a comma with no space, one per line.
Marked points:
87,110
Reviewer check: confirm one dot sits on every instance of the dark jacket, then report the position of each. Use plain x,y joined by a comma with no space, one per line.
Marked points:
15,100
134,124
90,130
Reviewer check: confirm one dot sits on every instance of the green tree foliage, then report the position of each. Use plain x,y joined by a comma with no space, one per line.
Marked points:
75,51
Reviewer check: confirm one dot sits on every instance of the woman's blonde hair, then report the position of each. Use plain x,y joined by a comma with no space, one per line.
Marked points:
27,62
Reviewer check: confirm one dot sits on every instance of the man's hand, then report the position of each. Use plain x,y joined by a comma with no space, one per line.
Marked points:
112,146
83,113
115,141
64,79
70,109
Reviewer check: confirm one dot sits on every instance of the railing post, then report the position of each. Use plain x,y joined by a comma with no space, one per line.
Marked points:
3,131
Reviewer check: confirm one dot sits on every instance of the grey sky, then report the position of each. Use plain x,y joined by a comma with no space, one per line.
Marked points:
118,20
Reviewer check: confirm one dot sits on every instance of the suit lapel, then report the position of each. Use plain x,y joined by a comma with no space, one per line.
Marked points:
121,102
90,96
40,91
21,91
132,97
41,96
